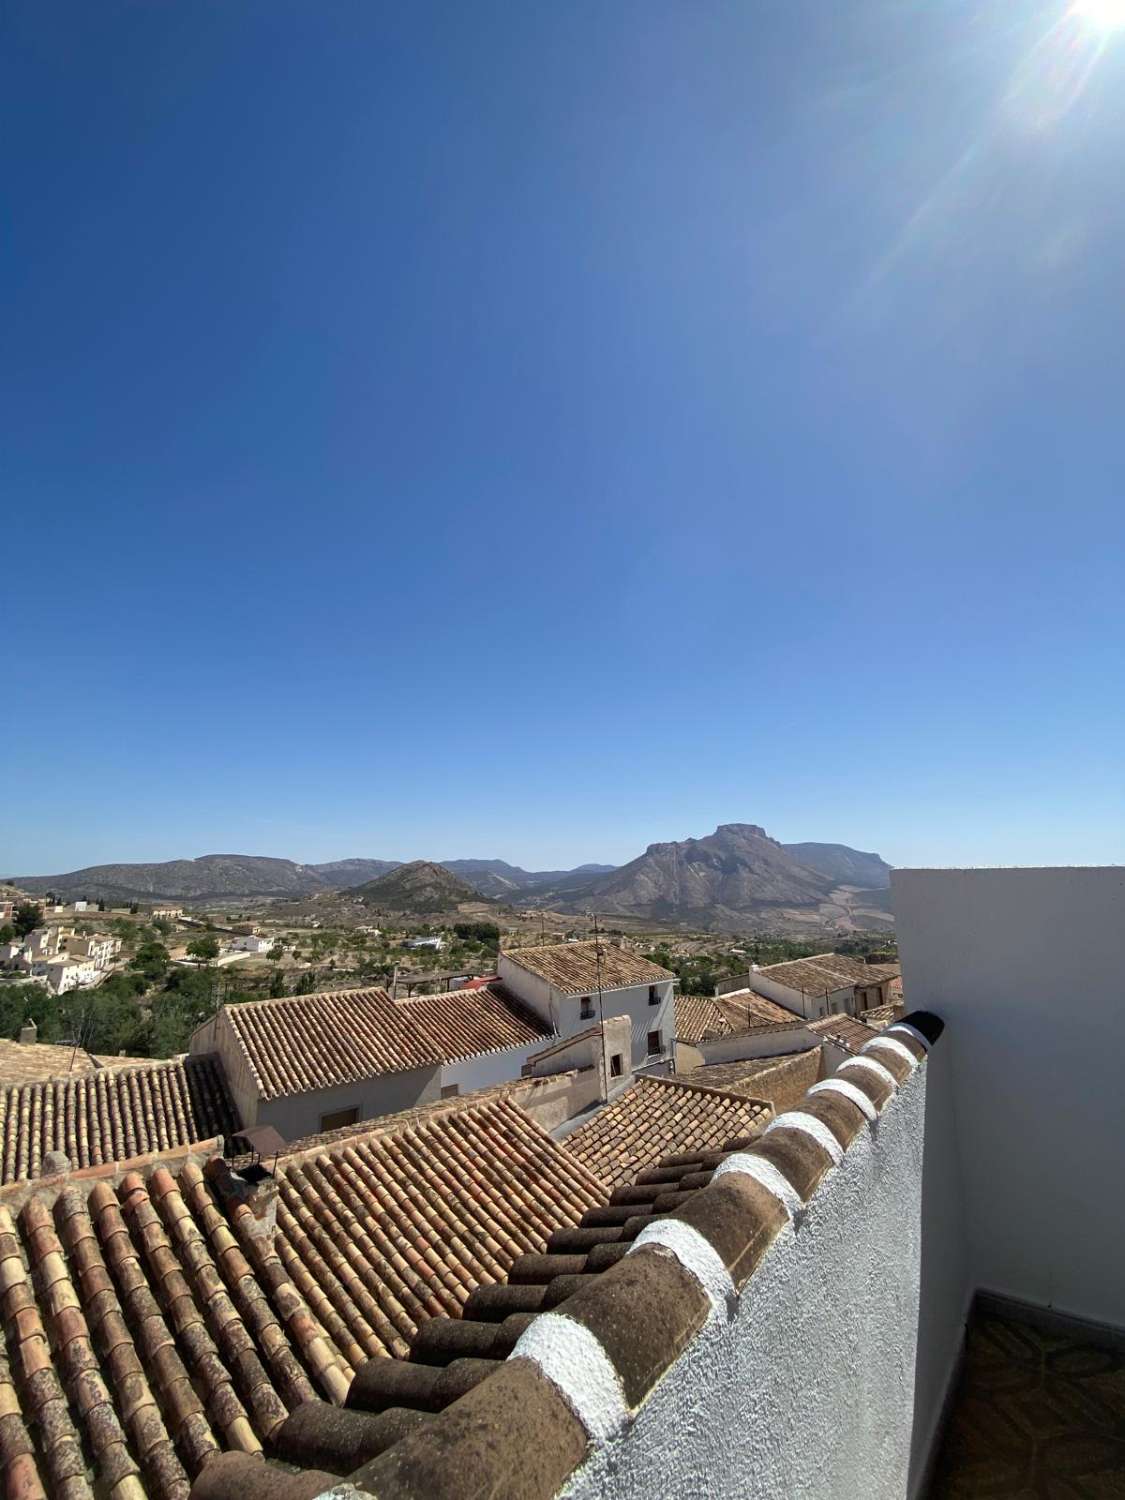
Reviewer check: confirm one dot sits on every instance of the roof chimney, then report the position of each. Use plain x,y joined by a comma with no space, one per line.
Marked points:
29,1033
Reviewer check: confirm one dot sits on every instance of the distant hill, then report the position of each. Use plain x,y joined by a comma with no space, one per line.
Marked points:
497,878
211,875
421,888
344,873
736,878
843,866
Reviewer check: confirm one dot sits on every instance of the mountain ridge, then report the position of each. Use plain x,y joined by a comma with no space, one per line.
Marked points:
735,877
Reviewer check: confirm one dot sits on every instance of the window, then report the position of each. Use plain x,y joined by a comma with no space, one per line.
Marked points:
653,997
655,1045
339,1117
450,1090
616,1065
587,1011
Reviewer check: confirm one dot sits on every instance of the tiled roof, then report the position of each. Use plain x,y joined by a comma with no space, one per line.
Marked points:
145,1329
315,1041
805,975
574,967
881,1015
752,1075
483,1018
32,1062
402,1223
655,1115
845,1031
699,1016
828,971
112,1114
504,1421
745,1009
856,969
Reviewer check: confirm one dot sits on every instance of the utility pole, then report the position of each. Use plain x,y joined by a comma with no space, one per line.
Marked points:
601,1003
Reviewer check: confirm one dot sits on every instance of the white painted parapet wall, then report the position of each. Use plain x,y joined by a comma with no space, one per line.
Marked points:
804,1385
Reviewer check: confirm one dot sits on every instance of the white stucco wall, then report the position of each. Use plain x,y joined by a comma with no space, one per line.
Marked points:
808,1391
563,1013
812,1007
493,1067
297,1115
750,1044
1027,968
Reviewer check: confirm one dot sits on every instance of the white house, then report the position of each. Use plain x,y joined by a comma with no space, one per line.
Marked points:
102,948
64,973
306,1064
436,943
826,984
251,942
570,985
45,942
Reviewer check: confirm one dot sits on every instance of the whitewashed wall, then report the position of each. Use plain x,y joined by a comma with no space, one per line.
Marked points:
1027,968
812,1007
564,1012
750,1044
808,1391
494,1067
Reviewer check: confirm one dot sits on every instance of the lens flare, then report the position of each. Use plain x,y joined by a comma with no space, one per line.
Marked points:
1105,15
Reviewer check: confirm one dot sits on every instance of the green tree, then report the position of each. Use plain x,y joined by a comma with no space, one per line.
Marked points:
162,925
7,933
151,962
277,984
26,917
277,952
205,948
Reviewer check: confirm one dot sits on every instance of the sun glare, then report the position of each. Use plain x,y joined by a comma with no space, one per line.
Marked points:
1106,15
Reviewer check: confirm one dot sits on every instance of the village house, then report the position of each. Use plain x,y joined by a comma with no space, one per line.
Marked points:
569,985
825,984
101,948
45,942
251,942
310,1063
64,972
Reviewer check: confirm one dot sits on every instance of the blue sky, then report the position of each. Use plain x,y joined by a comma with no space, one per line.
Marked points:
537,430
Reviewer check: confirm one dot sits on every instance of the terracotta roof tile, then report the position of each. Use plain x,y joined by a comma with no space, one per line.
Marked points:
844,1031
147,1328
400,1224
699,1016
305,1042
113,1114
882,1015
655,1116
828,971
574,968
745,1009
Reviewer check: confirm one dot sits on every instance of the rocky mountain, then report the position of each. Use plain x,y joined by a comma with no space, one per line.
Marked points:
421,888
736,877
735,869
843,866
